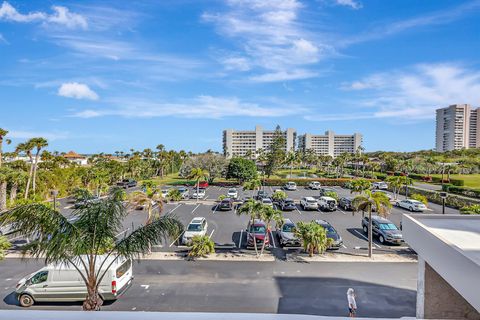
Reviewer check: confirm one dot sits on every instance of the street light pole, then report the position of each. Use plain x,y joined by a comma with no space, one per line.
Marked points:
54,193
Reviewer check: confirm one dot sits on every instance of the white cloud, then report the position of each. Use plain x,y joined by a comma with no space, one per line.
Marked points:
271,37
22,134
205,107
61,16
412,94
77,90
349,3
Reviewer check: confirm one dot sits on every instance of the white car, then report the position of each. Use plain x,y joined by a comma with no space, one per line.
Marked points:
309,203
197,227
412,205
314,185
380,185
327,203
267,202
200,194
290,186
232,193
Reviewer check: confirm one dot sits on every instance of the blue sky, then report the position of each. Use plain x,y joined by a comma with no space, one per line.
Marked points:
96,76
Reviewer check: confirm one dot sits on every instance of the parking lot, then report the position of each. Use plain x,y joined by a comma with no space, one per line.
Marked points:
227,228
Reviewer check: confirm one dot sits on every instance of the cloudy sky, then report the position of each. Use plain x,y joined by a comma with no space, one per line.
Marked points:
96,76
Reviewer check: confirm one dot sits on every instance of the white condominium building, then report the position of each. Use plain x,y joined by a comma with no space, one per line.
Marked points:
457,127
330,143
240,143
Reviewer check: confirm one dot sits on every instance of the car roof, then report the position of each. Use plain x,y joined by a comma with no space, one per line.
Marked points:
310,198
322,222
288,199
414,201
259,222
288,221
380,219
327,198
268,199
197,220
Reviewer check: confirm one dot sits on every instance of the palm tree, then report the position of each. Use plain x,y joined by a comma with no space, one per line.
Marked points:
89,243
394,182
290,160
200,246
253,184
251,208
359,185
38,144
150,199
269,214
27,147
313,236
3,133
15,179
4,174
197,174
367,202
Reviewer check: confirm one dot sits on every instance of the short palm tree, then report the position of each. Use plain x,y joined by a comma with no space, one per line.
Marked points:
88,239
251,208
359,185
201,246
269,215
197,174
3,133
366,203
313,236
253,184
150,199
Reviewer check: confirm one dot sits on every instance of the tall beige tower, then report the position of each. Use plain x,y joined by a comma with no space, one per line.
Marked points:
457,127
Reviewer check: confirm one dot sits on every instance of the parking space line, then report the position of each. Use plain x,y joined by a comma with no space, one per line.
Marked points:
344,246
175,240
198,205
271,190
216,207
341,211
298,210
122,232
363,236
273,239
175,208
240,241
205,198
211,234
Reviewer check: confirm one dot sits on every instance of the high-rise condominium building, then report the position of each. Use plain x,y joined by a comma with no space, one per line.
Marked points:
240,143
457,127
330,143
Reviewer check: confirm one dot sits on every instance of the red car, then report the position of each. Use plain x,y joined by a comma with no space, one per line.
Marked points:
257,232
203,184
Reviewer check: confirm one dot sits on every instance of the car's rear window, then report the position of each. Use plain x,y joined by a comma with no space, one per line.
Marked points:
194,227
124,267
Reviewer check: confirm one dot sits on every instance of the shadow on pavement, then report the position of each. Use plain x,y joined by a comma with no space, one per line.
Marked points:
12,300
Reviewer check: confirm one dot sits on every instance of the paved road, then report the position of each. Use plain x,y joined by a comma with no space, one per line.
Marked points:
383,289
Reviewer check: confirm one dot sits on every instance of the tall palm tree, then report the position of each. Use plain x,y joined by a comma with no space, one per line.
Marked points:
27,147
359,185
253,185
38,144
4,174
269,215
3,133
88,243
197,174
367,202
290,160
313,236
252,209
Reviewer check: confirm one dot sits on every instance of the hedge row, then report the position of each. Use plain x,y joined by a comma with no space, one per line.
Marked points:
473,193
452,200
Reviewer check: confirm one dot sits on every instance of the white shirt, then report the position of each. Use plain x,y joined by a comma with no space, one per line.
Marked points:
351,301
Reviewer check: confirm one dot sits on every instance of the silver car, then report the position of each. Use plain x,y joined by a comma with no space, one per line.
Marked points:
286,234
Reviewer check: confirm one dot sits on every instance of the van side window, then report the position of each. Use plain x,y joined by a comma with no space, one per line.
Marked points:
123,268
40,277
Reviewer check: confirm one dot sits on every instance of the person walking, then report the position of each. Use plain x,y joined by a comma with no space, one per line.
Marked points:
352,304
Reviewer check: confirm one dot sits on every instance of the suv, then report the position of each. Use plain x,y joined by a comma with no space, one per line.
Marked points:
290,186
327,204
314,185
332,234
346,203
257,231
384,229
287,205
286,234
324,190
225,205
380,185
309,203
267,202
127,183
412,205
197,227
232,193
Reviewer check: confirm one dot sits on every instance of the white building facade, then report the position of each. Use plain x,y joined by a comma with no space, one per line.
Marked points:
457,127
330,143
242,142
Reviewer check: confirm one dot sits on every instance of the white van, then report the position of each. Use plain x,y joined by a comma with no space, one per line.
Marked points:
55,283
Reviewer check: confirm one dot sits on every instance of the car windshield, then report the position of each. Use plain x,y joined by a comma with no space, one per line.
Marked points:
194,227
225,201
257,229
328,228
288,201
311,201
288,228
387,226
267,201
232,191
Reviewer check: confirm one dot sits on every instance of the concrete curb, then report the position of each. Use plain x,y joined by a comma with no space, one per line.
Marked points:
330,257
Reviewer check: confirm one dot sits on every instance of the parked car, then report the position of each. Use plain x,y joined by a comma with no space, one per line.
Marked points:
225,205
261,194
198,194
164,192
332,234
127,183
290,186
257,231
232,193
324,190
184,192
287,205
314,185
380,185
346,203
286,234
327,204
84,202
384,229
197,227
412,205
267,202
309,203
202,184
389,196
63,283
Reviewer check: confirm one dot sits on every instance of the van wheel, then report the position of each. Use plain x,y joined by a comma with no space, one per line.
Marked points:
26,300
381,239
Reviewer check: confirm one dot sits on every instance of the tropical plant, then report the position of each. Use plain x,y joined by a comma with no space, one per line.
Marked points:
4,246
89,243
253,184
473,209
151,200
359,185
420,197
276,152
197,174
174,195
214,164
3,133
269,215
366,203
313,236
241,169
279,195
221,197
201,246
27,147
38,144
253,209
394,182
332,194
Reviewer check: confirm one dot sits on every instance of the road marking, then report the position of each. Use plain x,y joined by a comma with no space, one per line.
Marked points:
205,198
298,210
68,207
345,247
240,241
175,240
271,190
145,286
122,232
272,239
216,207
211,234
341,211
363,236
198,205
175,208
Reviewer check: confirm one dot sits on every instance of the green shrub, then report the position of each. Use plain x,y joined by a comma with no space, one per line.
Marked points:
473,209
174,195
457,182
279,195
201,246
4,246
332,194
221,197
419,197
467,192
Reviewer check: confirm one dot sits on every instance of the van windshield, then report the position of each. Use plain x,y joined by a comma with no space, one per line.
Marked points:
124,267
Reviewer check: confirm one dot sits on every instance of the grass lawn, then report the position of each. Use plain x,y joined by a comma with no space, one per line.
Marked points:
174,178
471,180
